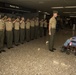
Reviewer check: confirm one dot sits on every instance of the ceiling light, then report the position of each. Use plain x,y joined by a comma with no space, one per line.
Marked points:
46,13
14,6
57,7
70,7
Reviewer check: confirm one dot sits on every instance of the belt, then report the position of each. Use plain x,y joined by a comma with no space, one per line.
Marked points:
8,30
53,28
16,29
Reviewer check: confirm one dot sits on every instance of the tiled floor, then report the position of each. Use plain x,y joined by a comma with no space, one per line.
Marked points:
34,58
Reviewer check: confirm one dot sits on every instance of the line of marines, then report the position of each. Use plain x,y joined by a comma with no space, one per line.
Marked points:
18,30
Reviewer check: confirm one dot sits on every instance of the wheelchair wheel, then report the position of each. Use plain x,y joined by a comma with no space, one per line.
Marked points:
68,51
63,49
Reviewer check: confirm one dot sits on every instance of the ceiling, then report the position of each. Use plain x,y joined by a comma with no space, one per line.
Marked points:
45,5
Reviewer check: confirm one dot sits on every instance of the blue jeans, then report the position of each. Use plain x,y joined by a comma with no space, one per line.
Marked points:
67,42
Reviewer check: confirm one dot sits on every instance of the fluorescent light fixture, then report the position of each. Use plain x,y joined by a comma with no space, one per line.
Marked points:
16,9
57,7
70,6
14,6
63,7
46,13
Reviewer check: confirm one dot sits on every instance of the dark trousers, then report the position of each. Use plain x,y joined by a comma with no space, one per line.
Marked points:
32,33
1,40
51,39
16,37
45,31
36,32
41,31
5,41
22,35
27,35
9,38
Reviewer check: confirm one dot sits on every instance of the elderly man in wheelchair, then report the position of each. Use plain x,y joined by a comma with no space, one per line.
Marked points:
69,46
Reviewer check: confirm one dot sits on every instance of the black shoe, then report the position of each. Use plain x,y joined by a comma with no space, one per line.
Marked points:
54,48
63,49
0,51
3,50
51,50
8,48
16,45
68,51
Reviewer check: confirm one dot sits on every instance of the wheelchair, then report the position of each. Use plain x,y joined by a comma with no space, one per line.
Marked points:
71,48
